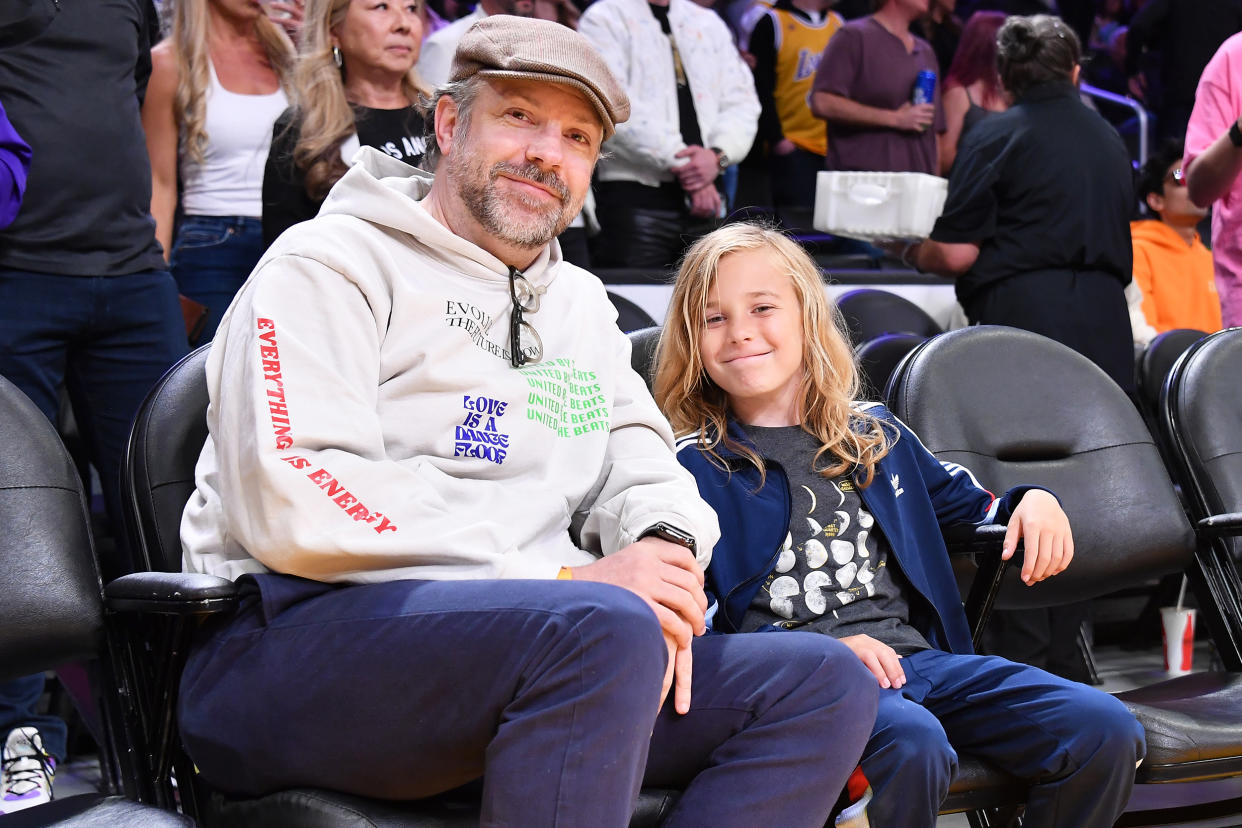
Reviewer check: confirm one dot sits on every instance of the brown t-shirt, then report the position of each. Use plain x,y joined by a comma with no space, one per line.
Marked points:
869,65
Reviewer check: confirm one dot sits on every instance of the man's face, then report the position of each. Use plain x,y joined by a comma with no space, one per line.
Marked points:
523,167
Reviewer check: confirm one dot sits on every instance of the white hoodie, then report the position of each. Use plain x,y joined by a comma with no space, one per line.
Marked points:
366,425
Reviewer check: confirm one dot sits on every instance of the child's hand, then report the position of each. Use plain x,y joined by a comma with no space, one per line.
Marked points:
881,659
1045,529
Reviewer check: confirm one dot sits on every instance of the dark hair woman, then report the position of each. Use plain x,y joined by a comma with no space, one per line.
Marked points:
1036,232
972,89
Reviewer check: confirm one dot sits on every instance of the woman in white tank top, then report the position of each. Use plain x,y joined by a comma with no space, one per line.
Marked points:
216,89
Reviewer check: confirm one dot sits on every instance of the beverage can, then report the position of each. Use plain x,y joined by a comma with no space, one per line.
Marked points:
924,88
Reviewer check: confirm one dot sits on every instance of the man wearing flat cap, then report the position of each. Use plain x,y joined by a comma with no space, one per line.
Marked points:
464,544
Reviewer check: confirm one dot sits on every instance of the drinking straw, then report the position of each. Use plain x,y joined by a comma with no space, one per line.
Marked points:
1181,594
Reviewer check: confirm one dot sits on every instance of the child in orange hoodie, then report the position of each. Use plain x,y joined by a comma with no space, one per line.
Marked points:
1172,267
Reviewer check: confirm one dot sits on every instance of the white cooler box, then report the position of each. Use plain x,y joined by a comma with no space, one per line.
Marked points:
878,205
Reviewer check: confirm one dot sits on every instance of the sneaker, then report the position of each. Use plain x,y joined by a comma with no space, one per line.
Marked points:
27,771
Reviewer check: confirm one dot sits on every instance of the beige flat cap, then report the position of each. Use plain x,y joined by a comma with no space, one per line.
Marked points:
502,45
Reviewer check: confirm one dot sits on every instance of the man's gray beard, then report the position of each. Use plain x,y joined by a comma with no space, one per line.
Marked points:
477,190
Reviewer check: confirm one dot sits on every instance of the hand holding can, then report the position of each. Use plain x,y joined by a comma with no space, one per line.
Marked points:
924,90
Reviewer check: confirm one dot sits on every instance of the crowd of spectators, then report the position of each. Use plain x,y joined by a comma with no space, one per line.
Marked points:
217,125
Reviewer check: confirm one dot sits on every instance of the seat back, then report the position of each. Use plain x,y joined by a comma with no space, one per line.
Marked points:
879,357
1201,422
1015,407
643,345
630,317
870,312
1155,362
1203,408
157,476
51,610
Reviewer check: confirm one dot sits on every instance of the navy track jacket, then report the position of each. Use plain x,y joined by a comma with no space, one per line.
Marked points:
911,497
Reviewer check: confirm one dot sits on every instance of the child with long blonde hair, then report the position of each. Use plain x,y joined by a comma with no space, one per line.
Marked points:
831,514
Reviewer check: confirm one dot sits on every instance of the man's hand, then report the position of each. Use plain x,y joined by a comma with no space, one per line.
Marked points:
783,147
881,659
699,170
705,202
679,669
913,118
1045,530
670,580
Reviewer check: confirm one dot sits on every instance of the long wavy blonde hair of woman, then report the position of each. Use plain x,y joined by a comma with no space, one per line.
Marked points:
851,441
318,95
190,36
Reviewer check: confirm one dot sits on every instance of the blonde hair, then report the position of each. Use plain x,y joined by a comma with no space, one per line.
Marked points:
190,38
851,441
318,96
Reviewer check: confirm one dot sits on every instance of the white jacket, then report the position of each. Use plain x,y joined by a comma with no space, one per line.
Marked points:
638,53
435,58
366,425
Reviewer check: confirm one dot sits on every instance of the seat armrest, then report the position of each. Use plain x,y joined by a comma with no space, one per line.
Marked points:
1228,525
969,539
983,545
171,593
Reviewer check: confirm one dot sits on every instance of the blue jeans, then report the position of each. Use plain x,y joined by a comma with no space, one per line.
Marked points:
404,689
19,699
108,339
1077,743
211,259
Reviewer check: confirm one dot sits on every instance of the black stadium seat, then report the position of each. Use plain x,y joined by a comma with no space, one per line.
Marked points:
879,357
1017,407
158,478
1201,421
52,606
630,317
871,312
1152,368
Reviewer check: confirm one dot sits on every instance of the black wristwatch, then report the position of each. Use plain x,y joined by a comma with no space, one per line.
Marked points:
722,160
1235,135
672,534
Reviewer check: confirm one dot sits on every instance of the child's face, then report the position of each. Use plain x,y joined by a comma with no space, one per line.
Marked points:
751,340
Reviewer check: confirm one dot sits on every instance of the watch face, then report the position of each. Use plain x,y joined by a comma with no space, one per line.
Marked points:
671,534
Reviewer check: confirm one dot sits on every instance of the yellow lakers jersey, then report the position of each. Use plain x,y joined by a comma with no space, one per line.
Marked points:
799,45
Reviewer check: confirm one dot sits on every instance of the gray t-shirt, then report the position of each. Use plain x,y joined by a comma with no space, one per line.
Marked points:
834,574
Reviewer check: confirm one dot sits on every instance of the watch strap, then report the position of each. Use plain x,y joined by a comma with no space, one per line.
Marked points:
1235,135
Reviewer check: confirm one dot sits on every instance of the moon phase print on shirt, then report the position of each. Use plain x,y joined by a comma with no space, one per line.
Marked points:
829,564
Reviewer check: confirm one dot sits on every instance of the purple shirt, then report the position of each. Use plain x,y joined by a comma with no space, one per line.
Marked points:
14,164
869,65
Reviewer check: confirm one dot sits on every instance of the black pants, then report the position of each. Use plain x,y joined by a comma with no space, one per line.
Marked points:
794,177
641,236
1085,310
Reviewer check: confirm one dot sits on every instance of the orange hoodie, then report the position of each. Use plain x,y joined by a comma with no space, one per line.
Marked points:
1179,288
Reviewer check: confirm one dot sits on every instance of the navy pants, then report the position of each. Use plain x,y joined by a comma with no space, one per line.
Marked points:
212,257
1079,744
108,338
406,689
